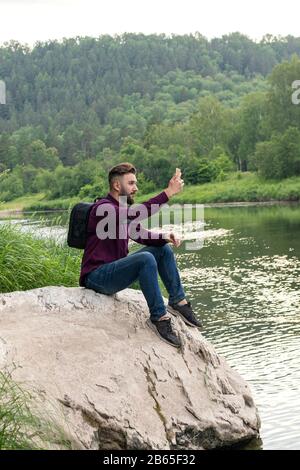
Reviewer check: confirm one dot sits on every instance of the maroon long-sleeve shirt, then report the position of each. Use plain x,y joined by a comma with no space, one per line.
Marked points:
101,251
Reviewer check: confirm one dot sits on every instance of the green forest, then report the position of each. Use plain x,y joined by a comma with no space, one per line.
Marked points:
76,107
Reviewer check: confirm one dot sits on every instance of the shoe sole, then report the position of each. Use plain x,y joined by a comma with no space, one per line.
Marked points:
175,313
152,327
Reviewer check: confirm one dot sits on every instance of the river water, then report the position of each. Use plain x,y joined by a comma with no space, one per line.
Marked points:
246,287
244,283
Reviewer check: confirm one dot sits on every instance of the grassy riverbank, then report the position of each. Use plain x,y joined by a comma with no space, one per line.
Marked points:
27,262
238,187
21,203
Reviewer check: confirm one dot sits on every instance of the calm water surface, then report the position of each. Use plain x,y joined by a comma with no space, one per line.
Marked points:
246,287
244,283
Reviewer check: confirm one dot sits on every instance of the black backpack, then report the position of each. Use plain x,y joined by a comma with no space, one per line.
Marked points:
78,224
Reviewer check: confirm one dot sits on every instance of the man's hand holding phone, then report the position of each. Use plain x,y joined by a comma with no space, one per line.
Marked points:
175,184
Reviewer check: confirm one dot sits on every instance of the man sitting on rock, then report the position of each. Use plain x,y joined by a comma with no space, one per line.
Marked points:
107,269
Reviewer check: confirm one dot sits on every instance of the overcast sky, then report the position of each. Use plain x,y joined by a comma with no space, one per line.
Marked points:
32,20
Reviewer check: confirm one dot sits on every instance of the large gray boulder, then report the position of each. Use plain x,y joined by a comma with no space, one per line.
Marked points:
113,382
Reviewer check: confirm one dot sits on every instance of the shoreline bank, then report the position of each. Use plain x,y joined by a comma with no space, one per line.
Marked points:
8,212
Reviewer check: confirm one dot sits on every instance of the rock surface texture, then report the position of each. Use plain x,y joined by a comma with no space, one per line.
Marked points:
115,383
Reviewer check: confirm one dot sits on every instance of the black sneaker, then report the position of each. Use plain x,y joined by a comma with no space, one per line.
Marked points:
186,313
164,330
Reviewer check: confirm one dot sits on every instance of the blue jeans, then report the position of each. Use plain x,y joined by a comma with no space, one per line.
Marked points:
144,266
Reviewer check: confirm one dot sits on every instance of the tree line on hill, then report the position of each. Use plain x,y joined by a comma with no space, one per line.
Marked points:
75,108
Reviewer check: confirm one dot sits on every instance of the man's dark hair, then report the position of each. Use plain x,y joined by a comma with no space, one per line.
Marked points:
120,170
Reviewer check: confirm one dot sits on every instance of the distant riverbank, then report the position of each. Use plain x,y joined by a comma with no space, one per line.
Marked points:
238,188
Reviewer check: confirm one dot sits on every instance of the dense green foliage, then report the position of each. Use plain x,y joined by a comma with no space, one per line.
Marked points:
76,107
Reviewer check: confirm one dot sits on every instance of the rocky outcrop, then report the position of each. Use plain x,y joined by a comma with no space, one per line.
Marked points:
113,382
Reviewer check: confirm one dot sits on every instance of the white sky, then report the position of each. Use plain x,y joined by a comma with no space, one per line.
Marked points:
32,20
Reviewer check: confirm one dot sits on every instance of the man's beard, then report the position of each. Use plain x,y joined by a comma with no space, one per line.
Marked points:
130,197
130,200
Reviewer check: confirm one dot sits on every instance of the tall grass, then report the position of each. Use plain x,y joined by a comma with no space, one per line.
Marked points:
20,427
27,262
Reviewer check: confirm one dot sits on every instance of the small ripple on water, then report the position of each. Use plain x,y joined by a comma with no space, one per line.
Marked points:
250,290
